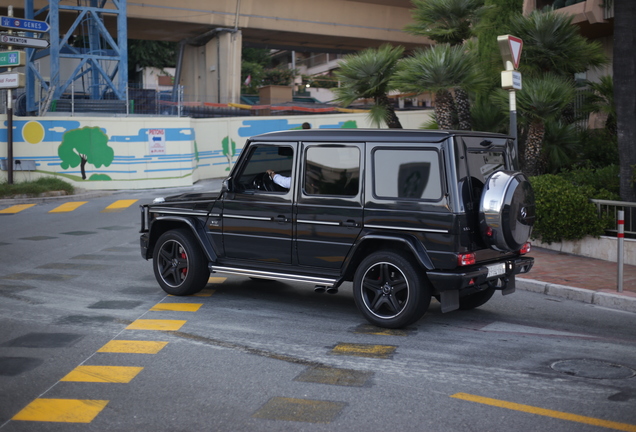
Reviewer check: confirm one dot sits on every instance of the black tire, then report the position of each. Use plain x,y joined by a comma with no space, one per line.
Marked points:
390,291
475,300
180,265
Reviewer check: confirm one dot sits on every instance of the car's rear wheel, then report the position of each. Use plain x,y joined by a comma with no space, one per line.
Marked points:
179,263
390,291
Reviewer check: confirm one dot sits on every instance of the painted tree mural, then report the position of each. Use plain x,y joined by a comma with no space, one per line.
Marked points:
229,148
85,145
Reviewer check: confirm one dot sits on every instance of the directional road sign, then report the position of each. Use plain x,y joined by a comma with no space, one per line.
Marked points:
11,80
12,58
23,41
24,24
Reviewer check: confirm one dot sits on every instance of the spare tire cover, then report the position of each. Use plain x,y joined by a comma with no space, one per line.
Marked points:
507,210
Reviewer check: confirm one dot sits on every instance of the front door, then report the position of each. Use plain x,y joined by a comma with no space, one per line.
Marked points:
257,214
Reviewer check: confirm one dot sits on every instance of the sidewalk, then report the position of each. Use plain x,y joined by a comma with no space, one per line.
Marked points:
580,278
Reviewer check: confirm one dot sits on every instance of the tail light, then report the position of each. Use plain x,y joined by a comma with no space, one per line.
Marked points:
526,248
466,259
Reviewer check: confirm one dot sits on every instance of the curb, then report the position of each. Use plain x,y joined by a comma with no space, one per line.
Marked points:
608,300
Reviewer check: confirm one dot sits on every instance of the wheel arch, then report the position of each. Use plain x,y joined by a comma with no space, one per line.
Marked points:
374,242
166,223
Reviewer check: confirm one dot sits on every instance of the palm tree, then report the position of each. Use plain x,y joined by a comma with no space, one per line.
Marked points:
551,44
600,99
445,21
439,70
451,22
368,74
625,93
541,100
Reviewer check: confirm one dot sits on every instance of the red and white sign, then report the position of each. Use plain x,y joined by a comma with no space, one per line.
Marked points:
510,48
516,46
157,141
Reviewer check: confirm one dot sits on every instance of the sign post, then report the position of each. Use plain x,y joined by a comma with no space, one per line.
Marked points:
510,48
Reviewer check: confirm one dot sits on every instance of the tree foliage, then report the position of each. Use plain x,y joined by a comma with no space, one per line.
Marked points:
149,53
552,44
446,21
85,145
368,74
440,70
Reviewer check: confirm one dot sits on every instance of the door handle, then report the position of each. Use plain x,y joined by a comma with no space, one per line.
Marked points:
349,223
280,219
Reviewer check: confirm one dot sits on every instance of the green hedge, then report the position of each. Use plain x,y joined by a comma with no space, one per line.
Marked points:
564,210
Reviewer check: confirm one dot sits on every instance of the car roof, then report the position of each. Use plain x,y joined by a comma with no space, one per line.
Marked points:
369,135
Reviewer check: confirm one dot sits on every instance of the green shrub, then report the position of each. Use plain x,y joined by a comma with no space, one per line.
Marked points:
35,188
605,181
564,210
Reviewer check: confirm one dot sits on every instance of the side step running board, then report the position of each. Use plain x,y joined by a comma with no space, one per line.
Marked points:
272,275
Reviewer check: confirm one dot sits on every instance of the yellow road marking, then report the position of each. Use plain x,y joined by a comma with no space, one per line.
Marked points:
364,350
16,208
103,374
152,324
546,412
133,347
61,410
68,207
179,307
217,279
119,205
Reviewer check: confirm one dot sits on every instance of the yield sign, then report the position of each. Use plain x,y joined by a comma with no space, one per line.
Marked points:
510,48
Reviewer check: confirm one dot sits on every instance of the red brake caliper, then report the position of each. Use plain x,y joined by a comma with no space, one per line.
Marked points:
184,271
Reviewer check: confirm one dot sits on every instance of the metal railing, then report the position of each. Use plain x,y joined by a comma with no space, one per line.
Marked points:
609,209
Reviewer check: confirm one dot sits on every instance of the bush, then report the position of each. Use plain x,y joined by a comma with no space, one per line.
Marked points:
564,210
605,181
35,188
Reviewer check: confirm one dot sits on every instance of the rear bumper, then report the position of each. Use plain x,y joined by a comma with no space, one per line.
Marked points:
474,276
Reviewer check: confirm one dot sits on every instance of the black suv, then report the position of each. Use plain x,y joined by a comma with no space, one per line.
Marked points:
404,214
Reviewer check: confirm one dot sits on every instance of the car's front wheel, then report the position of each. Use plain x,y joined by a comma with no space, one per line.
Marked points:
389,290
179,263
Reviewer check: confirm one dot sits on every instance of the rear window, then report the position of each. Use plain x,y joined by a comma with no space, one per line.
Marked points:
407,174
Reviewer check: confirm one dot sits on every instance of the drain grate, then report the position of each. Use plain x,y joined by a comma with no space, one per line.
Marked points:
592,368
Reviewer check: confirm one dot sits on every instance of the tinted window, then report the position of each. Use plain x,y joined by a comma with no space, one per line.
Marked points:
262,158
332,170
405,173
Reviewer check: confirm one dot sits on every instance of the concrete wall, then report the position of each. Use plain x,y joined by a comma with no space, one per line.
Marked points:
212,72
604,248
151,152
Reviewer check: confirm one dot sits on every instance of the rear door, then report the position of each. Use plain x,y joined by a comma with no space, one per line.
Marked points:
329,210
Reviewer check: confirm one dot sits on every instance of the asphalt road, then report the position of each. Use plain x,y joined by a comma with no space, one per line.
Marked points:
88,337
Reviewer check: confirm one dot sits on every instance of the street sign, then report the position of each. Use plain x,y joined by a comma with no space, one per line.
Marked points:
11,80
511,80
23,41
24,24
12,58
510,48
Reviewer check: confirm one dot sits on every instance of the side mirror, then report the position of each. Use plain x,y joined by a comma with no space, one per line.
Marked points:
226,185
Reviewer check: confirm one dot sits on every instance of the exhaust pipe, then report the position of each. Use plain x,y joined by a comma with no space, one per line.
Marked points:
332,290
319,289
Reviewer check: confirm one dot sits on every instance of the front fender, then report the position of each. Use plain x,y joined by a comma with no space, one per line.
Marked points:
165,223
